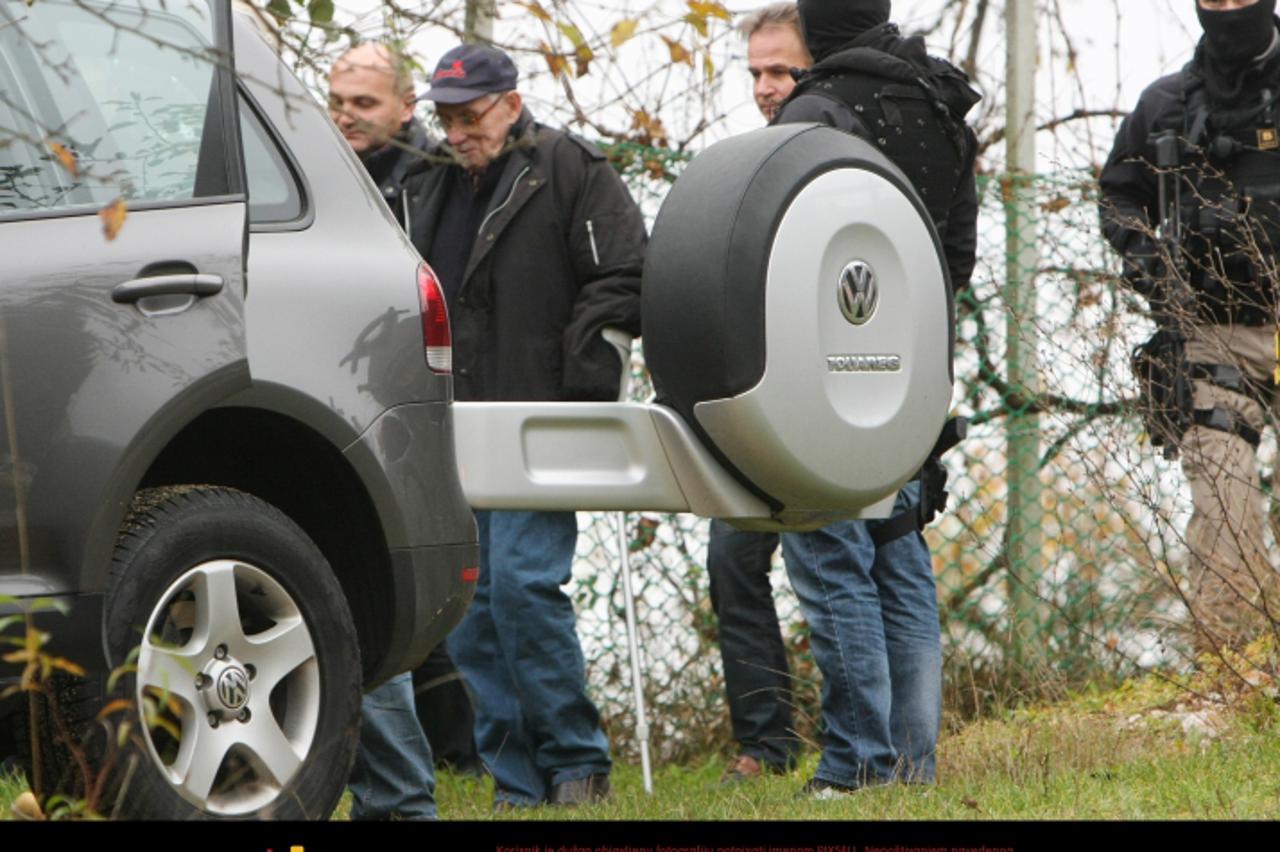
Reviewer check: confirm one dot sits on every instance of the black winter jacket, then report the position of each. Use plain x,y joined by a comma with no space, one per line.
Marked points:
557,259
390,166
1130,191
881,55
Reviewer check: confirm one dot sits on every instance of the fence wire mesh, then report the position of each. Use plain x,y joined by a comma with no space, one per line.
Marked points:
1061,558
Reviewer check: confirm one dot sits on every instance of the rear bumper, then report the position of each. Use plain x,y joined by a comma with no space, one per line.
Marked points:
432,587
407,461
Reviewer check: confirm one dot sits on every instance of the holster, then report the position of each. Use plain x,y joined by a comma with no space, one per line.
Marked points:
933,488
1164,384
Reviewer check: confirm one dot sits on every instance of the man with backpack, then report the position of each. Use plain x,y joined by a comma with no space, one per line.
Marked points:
867,587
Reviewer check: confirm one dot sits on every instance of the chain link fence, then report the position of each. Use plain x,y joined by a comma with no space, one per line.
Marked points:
1061,553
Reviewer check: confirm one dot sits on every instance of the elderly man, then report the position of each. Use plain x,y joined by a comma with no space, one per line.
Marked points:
538,248
371,100
756,676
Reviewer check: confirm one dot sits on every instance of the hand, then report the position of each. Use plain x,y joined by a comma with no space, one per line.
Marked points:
1144,268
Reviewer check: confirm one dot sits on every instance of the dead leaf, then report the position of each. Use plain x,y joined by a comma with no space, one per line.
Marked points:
714,10
555,61
1053,205
63,664
698,22
971,804
708,66
646,533
66,158
572,33
118,705
648,130
622,31
537,11
113,216
583,56
679,53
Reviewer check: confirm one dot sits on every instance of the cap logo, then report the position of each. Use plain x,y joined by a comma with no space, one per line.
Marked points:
455,71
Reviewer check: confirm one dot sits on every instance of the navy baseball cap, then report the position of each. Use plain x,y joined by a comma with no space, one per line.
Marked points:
470,71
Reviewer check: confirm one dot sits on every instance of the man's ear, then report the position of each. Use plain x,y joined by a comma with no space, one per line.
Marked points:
515,102
406,111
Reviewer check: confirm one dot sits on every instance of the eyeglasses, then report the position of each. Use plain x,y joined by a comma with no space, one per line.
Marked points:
466,120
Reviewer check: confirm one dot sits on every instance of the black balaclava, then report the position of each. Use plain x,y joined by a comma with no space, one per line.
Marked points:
831,24
1233,38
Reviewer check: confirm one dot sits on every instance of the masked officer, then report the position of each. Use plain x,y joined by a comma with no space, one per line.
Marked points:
1214,282
867,587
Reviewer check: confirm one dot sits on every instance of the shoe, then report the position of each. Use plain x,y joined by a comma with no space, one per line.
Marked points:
580,791
502,804
742,768
818,790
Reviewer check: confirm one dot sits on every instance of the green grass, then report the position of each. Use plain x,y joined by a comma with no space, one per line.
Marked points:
11,784
1004,770
1086,759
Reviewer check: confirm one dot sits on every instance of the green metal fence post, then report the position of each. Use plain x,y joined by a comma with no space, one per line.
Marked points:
1021,263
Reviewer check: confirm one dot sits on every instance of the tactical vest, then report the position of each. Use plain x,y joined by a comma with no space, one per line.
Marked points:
906,118
1232,214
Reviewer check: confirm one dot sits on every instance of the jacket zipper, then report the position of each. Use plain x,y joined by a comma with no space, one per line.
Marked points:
591,235
514,185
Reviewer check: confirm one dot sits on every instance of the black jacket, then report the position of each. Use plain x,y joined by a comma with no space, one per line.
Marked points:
870,85
1210,182
390,165
558,258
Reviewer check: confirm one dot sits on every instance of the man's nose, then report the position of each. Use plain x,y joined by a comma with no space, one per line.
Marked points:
455,134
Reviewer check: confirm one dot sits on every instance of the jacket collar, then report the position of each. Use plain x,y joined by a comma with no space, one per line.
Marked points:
522,176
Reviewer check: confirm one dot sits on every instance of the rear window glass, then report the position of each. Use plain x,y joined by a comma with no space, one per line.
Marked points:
99,101
274,196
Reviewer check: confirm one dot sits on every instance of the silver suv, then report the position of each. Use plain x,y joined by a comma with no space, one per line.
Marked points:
229,435
227,427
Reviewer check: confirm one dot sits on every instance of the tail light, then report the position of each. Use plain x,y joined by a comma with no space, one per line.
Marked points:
435,322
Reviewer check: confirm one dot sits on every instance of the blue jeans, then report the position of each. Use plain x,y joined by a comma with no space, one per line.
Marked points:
756,678
873,619
518,649
393,777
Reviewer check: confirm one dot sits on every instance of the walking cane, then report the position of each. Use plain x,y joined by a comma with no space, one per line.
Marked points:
622,343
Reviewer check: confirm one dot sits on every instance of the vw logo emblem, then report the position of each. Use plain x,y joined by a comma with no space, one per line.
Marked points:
857,292
233,688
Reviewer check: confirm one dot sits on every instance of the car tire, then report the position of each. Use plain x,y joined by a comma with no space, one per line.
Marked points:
247,674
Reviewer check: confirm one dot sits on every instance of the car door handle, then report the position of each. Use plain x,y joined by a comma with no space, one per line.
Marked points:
166,285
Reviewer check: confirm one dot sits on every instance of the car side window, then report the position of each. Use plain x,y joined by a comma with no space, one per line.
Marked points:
91,110
274,194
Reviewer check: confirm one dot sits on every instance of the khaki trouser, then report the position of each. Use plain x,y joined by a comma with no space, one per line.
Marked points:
1235,590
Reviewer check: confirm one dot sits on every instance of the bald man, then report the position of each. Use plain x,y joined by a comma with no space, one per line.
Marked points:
371,100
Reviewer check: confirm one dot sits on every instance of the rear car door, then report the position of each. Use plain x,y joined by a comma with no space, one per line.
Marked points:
122,286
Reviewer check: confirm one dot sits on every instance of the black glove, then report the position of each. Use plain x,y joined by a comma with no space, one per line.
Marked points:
1144,268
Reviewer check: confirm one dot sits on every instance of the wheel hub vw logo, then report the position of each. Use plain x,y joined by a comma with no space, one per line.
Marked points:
857,292
233,688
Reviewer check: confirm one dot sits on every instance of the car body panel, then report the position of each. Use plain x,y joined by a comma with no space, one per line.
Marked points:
98,387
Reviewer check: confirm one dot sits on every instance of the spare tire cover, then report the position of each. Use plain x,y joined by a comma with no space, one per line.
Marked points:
797,314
